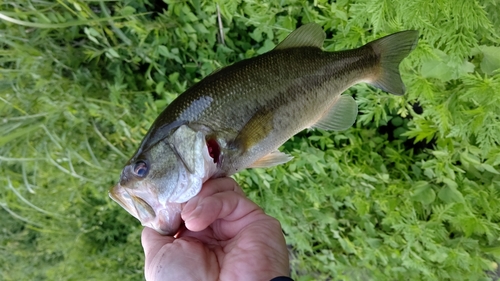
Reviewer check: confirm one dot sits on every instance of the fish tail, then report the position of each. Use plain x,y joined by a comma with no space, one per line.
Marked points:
391,50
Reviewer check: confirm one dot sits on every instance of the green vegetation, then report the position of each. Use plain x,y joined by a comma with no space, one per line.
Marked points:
411,192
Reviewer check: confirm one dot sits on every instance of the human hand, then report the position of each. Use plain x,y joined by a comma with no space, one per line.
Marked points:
226,237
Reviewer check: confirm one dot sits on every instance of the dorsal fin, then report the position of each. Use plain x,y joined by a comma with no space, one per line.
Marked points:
308,35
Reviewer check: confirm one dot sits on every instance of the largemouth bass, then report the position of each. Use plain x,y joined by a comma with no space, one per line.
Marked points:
238,116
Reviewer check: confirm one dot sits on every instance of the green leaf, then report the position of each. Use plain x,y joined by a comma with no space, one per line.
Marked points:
490,168
450,193
112,53
491,59
159,87
444,68
397,121
173,78
200,28
163,50
268,46
436,69
127,11
92,34
450,183
424,193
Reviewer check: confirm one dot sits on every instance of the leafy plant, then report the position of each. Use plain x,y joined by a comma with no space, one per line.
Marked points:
408,193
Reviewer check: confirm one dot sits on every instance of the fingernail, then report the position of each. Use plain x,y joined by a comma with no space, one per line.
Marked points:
194,214
188,208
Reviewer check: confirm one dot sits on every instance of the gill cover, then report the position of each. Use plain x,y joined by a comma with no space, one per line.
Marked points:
191,150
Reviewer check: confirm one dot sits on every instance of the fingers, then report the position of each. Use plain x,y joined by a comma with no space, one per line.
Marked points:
211,208
212,187
221,184
220,200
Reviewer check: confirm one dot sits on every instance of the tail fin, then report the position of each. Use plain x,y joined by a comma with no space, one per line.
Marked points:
391,50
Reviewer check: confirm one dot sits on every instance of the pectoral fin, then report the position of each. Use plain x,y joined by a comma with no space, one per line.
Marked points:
255,130
340,116
272,159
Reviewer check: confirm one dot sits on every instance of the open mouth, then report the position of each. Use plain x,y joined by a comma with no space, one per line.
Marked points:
135,205
164,219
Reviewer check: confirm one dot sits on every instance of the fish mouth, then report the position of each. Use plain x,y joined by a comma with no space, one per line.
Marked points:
164,218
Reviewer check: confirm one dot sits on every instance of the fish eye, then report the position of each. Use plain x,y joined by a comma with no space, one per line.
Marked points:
141,169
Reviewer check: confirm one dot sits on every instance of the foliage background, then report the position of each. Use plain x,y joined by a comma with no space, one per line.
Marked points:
409,193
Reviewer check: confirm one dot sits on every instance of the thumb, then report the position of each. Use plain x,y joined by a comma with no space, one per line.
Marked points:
152,242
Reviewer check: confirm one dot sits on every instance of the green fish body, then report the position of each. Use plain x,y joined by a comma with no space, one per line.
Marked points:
238,116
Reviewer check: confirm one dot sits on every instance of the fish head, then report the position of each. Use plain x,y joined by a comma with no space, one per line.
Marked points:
157,180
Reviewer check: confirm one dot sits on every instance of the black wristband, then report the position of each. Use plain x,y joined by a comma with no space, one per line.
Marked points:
281,278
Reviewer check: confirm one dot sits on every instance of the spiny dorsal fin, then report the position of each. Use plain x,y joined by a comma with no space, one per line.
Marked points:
308,35
272,159
340,116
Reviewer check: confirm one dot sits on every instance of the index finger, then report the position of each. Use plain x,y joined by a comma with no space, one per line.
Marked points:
210,188
221,204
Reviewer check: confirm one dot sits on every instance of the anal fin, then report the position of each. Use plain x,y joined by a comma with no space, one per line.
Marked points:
272,159
340,116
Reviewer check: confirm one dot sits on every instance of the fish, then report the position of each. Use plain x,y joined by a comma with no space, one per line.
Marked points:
238,116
